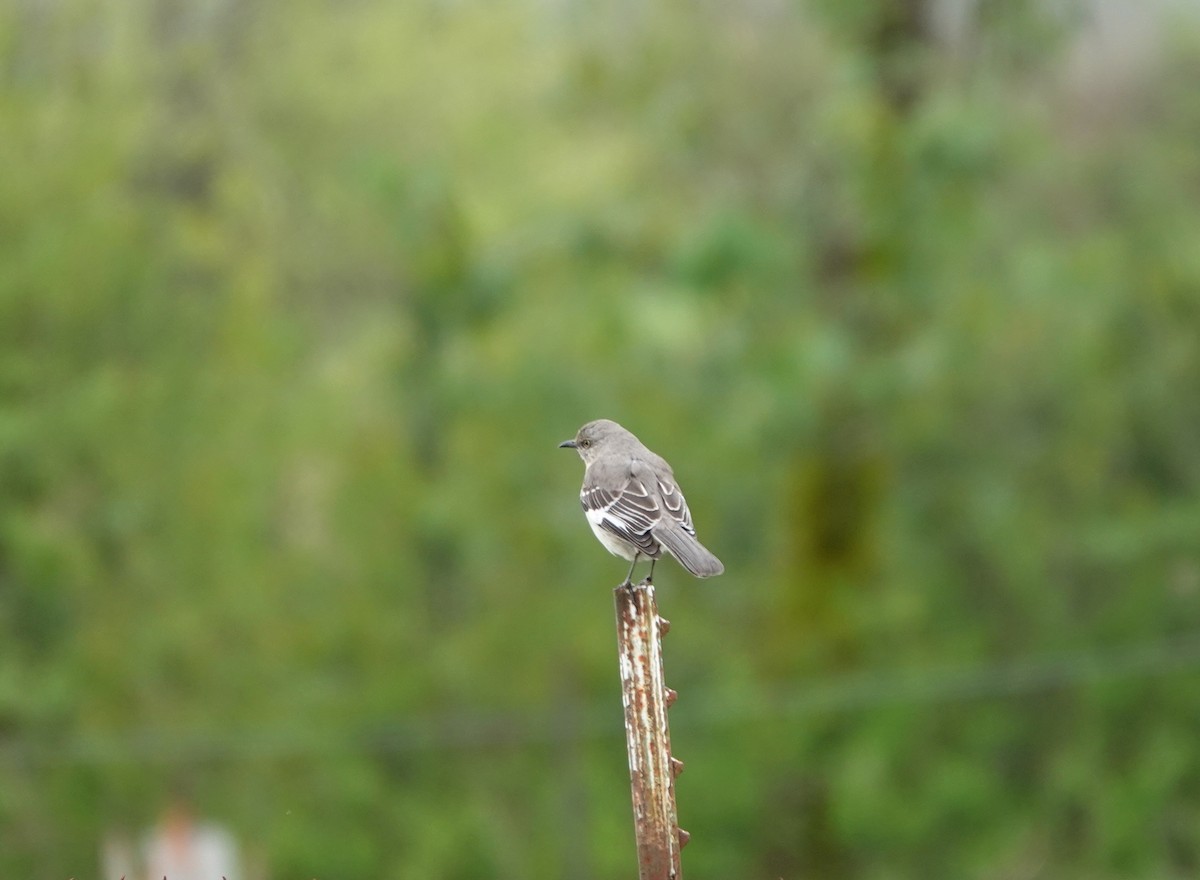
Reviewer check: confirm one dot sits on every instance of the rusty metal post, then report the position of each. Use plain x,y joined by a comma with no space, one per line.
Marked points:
652,769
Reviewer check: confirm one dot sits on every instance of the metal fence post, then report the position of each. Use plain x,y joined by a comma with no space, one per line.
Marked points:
652,769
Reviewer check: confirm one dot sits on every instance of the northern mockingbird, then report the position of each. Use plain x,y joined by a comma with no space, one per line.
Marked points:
632,502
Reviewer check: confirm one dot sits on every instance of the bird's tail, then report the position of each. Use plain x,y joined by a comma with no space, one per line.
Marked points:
691,554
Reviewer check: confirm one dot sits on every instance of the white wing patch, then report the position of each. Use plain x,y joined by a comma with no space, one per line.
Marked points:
605,532
624,520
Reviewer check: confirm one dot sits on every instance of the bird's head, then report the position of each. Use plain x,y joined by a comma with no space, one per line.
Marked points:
593,437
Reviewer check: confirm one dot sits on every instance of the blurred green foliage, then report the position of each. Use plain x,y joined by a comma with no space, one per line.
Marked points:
296,300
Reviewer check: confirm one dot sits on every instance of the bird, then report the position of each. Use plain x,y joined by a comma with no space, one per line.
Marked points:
633,503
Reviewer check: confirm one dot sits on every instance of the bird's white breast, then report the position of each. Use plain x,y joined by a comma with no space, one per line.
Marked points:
614,545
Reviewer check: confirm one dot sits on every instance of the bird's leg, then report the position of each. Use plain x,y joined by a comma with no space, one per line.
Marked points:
650,577
628,577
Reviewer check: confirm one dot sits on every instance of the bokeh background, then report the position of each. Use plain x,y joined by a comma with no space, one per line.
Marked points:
297,299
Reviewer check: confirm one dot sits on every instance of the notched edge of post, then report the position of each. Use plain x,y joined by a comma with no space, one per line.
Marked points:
646,697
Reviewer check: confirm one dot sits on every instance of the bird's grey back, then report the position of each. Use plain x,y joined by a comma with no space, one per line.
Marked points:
619,441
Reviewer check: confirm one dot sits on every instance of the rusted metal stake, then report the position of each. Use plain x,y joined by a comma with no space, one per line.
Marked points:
652,770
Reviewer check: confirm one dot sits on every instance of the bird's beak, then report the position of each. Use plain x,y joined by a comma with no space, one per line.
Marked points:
567,444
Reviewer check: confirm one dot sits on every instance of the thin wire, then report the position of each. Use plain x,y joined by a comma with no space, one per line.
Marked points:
860,693
470,731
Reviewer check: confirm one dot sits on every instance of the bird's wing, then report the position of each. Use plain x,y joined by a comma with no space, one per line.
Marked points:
632,511
675,532
674,504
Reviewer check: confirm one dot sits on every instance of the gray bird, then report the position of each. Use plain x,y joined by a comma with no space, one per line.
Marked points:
633,503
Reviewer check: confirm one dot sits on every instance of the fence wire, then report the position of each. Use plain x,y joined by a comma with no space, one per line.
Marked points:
479,730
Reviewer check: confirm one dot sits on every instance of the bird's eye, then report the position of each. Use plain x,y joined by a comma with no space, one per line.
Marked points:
585,443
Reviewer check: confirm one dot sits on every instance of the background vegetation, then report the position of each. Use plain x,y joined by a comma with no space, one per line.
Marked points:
296,300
